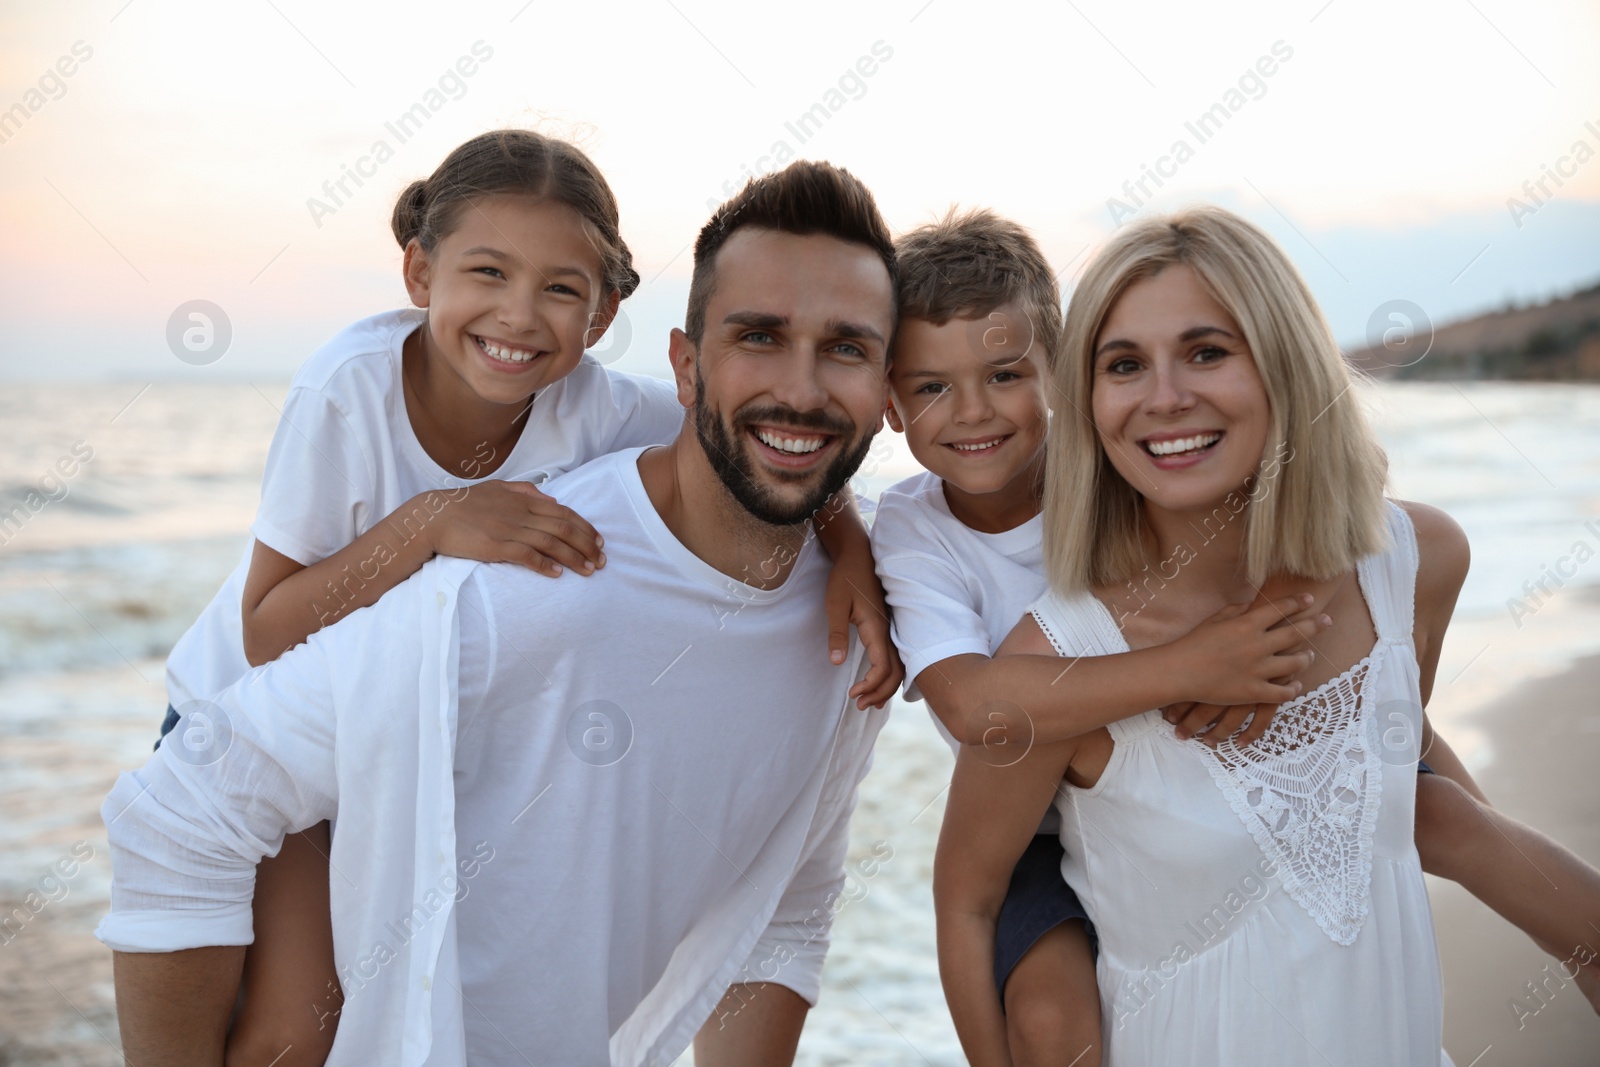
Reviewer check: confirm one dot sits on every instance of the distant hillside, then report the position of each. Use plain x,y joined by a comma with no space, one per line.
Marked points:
1557,341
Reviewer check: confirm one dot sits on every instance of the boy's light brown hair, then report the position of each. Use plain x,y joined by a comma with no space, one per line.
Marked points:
969,264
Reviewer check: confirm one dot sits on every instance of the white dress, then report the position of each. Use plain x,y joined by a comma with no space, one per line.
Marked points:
1264,905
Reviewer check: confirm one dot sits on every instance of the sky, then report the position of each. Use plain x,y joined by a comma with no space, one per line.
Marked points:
152,154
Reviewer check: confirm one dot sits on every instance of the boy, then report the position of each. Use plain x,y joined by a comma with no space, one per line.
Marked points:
960,556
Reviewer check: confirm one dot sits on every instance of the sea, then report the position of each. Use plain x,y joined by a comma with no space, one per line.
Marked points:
124,505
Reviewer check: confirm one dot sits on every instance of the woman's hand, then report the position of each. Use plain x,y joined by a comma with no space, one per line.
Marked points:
509,522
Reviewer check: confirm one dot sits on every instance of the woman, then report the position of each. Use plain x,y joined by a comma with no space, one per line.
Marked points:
1262,904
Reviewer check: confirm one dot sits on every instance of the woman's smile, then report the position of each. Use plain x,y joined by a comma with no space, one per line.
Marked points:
1178,401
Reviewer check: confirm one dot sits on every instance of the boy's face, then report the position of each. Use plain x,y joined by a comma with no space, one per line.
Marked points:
970,397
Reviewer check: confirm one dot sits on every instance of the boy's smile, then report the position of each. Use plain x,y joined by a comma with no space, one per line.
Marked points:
969,395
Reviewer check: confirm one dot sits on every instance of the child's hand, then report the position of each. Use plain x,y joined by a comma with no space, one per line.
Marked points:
855,596
1243,662
513,522
1213,723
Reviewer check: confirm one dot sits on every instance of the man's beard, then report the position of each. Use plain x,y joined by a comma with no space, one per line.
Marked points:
727,452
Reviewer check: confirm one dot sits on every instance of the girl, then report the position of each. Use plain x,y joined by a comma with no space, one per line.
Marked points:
383,459
1260,904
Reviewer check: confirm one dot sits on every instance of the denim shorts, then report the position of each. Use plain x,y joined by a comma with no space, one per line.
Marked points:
167,724
1037,901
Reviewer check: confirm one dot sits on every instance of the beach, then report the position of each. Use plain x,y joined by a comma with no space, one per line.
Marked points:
101,581
1547,737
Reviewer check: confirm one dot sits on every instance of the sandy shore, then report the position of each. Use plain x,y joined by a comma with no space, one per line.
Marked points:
66,740
1546,740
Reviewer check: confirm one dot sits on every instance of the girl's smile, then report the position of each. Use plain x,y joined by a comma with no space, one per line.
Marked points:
514,294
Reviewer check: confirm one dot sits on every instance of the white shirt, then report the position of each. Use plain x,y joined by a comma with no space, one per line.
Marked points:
614,875
345,456
1264,904
954,590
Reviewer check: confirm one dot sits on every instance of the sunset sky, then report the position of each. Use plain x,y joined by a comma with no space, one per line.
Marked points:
153,153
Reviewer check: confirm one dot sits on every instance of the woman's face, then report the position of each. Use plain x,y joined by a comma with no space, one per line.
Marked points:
1178,403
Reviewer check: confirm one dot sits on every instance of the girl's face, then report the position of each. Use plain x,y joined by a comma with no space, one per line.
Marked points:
514,293
1178,402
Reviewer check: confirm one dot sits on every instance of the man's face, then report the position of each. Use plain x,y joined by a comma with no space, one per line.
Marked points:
787,386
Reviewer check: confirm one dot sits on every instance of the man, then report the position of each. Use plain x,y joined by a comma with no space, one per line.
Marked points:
576,820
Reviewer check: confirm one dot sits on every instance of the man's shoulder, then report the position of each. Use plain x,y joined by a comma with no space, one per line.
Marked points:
605,479
606,492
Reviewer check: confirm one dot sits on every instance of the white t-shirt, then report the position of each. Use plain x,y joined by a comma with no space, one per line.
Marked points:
571,812
345,456
954,590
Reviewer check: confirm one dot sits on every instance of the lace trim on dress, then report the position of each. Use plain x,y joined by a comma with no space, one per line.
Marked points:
1049,632
1086,619
1308,791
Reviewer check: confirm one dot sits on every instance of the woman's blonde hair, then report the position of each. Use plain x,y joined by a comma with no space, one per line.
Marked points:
1316,504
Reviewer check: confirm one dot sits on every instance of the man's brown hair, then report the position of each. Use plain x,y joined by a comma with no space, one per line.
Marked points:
803,198
967,265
